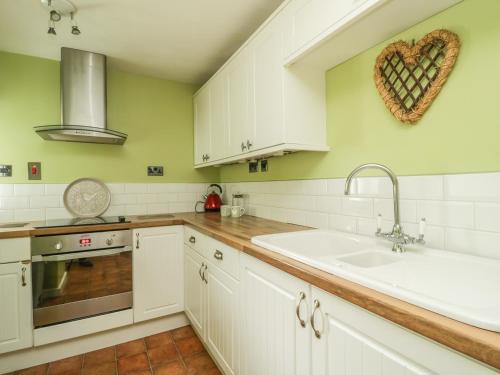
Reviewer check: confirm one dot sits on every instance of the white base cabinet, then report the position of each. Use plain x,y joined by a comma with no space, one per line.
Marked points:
16,327
158,278
273,342
212,297
290,327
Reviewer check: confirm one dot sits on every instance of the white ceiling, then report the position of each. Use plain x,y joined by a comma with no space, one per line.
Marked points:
182,40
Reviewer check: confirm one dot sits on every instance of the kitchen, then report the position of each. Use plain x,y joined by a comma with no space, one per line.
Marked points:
267,187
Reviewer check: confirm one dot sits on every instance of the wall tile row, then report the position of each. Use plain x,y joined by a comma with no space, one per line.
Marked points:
462,211
33,202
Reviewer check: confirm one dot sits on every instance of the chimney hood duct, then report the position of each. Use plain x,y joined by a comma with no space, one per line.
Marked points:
83,101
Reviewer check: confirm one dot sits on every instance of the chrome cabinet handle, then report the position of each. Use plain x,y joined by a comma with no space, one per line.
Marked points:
23,276
137,240
317,333
208,157
192,239
302,297
218,255
204,278
249,144
243,146
200,270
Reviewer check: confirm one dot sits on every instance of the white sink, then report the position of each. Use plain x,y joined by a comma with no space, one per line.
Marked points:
462,287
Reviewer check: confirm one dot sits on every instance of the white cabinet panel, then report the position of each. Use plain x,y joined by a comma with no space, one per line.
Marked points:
241,124
194,290
310,18
267,53
202,118
218,122
16,327
272,339
222,319
158,259
354,341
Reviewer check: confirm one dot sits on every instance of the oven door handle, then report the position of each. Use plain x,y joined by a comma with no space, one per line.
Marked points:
83,254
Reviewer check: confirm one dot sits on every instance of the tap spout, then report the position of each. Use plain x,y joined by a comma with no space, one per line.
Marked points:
395,188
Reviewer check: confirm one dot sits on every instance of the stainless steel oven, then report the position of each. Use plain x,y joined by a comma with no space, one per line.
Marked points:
80,275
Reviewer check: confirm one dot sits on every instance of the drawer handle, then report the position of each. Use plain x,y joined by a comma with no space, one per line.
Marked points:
192,239
204,278
137,240
200,272
23,276
218,255
302,297
317,333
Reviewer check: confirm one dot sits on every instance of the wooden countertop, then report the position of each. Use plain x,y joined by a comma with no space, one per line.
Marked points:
477,343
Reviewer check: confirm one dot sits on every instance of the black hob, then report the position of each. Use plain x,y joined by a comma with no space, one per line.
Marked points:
74,222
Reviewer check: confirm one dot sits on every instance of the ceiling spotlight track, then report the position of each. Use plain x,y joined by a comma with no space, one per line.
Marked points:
58,9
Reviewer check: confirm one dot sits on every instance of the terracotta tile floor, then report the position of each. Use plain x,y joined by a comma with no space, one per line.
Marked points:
177,352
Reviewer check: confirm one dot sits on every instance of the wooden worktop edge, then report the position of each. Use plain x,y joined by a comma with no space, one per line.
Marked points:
477,343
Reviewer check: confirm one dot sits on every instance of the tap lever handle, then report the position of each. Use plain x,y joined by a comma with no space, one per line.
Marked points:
379,223
421,230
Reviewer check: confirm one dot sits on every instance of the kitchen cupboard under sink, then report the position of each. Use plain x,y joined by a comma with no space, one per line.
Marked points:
458,286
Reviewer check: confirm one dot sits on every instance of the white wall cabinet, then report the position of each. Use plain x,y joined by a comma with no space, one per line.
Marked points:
16,327
309,18
265,111
240,100
212,297
325,33
269,98
158,279
202,127
273,342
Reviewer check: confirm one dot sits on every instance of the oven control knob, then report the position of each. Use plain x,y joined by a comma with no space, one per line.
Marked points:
109,241
58,245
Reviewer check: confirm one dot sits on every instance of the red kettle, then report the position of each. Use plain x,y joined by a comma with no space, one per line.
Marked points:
213,200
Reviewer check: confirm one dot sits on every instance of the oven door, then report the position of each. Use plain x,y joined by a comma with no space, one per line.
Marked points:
71,286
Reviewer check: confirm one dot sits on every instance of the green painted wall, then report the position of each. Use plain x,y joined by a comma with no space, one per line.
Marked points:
156,114
459,133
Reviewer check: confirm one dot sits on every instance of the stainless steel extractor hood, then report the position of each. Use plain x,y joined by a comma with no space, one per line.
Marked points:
83,101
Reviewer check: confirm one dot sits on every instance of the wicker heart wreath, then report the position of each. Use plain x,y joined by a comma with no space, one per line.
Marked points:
409,77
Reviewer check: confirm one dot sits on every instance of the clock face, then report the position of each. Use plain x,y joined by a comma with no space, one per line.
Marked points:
87,197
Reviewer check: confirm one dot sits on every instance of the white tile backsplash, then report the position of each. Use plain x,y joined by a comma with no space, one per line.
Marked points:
445,213
462,211
33,202
487,216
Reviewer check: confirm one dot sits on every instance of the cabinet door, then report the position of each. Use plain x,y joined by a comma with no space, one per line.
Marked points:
218,120
273,342
16,328
354,341
158,259
241,124
309,18
202,118
222,319
267,54
194,292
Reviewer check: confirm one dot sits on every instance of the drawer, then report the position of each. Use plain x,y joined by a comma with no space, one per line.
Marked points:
224,257
15,249
196,241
